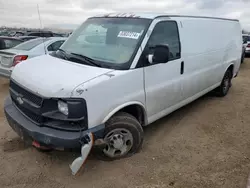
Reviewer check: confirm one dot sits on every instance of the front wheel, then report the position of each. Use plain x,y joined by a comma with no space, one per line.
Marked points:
123,135
223,89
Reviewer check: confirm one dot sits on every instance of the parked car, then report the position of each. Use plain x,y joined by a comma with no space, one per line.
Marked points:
17,34
26,38
40,34
58,35
5,33
9,42
246,43
32,48
148,66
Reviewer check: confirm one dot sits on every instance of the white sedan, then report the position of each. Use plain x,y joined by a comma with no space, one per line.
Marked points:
246,43
32,48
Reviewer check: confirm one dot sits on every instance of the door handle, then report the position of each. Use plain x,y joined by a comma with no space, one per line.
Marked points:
182,67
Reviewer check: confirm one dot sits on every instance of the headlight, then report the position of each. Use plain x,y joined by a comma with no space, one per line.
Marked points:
63,107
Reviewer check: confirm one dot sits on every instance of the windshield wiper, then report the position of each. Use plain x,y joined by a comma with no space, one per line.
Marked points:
64,53
87,59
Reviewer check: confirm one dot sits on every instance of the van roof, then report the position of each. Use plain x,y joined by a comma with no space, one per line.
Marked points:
148,15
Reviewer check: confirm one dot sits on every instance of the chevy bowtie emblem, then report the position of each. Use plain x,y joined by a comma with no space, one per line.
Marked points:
19,100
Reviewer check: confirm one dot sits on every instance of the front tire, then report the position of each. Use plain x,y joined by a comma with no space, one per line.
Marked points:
223,89
123,135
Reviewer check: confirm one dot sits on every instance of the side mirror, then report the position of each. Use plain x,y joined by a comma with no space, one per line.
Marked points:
244,42
160,54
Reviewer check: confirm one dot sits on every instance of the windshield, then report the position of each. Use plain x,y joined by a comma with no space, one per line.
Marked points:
30,44
110,41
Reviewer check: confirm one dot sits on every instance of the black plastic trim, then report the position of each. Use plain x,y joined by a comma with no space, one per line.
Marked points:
47,107
77,109
46,135
182,67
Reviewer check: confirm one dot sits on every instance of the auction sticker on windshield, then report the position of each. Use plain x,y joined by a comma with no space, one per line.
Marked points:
129,34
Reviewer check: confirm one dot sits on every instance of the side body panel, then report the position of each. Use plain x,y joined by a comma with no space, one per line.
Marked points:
209,47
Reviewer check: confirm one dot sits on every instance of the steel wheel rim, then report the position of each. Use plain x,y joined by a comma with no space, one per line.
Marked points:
119,142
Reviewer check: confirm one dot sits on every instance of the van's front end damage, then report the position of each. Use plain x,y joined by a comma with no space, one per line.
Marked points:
51,123
87,145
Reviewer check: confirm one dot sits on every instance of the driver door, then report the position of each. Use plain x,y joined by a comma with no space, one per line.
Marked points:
163,85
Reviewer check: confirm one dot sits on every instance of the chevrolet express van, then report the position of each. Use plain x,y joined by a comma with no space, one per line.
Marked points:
118,73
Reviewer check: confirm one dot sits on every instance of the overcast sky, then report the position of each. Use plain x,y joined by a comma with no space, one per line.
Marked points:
67,13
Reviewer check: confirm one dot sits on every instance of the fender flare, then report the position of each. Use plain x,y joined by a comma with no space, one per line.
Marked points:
118,108
230,64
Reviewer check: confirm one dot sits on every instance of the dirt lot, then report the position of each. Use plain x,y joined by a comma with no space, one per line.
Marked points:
205,144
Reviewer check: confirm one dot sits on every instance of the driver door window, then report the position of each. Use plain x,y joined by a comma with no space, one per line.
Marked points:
166,33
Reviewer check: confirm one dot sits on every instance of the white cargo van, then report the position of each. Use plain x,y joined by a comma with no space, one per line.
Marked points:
118,73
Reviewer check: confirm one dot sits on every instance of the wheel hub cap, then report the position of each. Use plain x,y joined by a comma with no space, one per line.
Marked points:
118,142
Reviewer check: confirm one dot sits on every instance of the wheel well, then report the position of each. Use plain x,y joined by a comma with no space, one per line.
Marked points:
231,68
137,111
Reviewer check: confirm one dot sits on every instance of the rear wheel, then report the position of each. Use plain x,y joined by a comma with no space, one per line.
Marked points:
123,135
223,89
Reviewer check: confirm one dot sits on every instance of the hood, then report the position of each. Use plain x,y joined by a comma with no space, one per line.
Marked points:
53,77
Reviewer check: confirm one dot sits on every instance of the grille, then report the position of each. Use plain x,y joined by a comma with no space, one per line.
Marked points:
26,94
34,117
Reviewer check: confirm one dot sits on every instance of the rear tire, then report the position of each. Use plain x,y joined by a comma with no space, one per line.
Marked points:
123,135
226,83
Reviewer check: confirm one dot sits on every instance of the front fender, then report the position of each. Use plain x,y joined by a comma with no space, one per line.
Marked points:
118,108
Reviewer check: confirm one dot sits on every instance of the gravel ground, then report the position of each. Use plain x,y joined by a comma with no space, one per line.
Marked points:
204,144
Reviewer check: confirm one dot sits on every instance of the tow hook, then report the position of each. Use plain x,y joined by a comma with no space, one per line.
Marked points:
77,165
